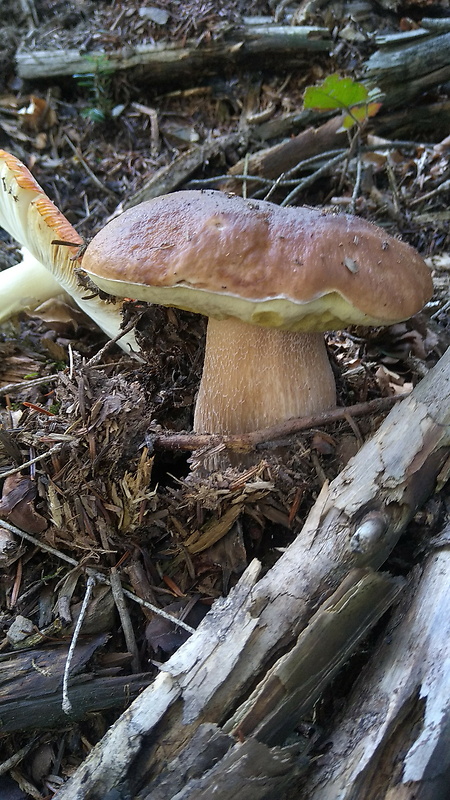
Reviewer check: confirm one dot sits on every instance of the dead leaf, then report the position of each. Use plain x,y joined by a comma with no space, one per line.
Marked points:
17,505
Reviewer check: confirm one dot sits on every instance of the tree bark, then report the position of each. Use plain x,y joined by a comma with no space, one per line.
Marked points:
402,69
393,741
31,687
354,525
165,62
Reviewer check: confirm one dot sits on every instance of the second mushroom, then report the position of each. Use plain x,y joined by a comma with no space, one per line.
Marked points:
271,280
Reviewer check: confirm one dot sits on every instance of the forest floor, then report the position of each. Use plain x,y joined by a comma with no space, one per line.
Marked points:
102,499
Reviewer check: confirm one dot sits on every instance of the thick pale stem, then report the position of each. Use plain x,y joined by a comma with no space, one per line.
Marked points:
24,286
254,377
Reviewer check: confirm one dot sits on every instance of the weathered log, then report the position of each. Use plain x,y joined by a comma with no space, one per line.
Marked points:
213,765
404,69
392,742
354,524
166,62
273,161
31,687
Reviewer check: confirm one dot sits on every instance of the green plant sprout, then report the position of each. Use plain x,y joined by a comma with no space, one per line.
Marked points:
98,84
344,94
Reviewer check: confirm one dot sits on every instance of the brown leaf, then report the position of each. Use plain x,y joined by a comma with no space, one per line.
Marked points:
17,505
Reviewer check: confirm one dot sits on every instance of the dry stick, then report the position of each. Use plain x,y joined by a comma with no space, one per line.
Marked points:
130,640
357,186
286,179
32,461
444,187
66,704
249,441
11,388
97,575
95,360
87,168
37,543
312,178
18,756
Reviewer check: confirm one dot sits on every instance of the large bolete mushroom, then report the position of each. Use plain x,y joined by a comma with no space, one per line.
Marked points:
28,215
271,280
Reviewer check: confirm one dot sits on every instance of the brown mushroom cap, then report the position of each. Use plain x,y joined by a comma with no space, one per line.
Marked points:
290,268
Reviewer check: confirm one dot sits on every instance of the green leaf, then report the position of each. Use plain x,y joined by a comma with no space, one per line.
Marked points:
344,94
335,92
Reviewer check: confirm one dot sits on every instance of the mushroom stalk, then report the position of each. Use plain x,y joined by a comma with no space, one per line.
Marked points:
255,377
25,285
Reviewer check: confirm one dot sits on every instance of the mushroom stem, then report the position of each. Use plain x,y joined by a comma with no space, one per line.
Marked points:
25,285
255,377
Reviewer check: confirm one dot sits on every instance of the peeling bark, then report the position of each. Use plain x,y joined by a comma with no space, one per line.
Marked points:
166,62
393,741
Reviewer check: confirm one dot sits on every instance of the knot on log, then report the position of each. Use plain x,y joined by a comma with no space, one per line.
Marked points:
370,530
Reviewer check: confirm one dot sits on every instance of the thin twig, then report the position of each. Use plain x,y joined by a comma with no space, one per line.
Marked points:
97,575
66,704
32,461
357,186
169,617
87,168
38,543
249,441
111,342
127,628
286,179
305,182
18,756
443,187
11,388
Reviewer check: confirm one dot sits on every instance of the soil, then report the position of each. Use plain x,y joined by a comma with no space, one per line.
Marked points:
105,497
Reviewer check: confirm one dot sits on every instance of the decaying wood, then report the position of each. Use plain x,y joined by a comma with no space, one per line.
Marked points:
273,161
292,686
213,765
393,739
354,525
164,62
31,687
403,69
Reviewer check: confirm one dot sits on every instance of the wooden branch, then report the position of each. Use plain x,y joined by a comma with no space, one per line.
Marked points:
404,68
274,161
392,741
249,441
31,687
168,62
354,524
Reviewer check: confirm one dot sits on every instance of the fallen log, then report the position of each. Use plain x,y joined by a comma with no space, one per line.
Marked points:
167,62
403,69
353,526
392,741
31,687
